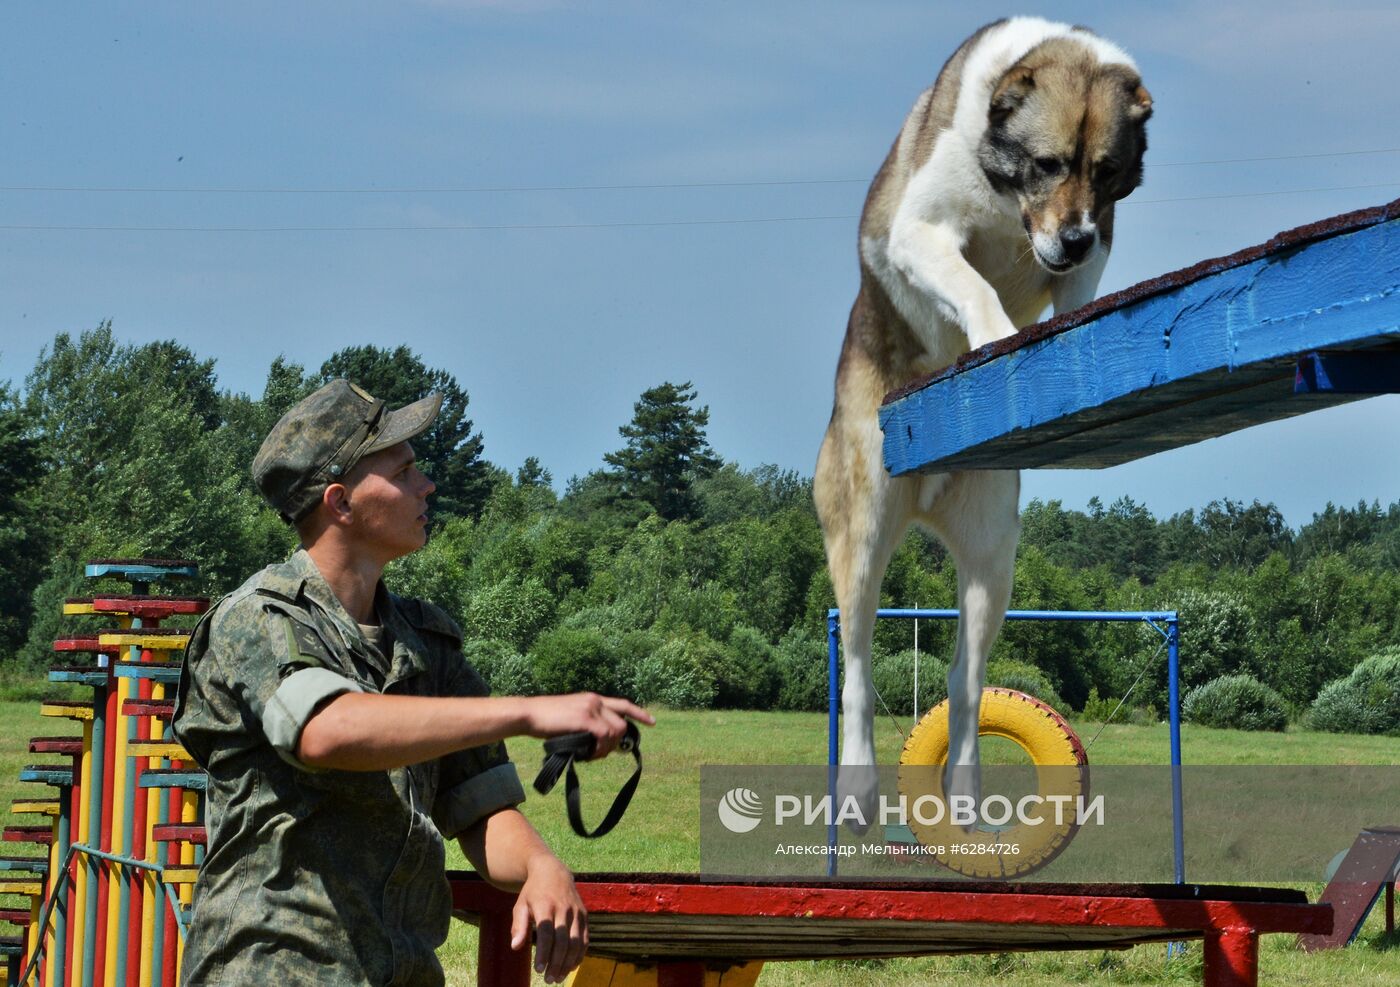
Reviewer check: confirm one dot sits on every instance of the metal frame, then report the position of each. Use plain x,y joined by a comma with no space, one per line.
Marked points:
1164,622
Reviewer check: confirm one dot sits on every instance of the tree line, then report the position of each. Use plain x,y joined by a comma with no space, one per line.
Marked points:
667,572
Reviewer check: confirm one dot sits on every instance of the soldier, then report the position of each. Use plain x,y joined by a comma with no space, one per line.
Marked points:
345,736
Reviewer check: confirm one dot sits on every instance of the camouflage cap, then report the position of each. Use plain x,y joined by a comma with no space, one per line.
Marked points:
324,435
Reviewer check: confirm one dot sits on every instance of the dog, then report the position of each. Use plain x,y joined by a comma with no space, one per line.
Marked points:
995,201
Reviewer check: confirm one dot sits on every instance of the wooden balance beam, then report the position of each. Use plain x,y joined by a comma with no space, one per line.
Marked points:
1309,320
683,924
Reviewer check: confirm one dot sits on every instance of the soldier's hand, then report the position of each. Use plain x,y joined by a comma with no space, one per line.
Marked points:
603,716
549,904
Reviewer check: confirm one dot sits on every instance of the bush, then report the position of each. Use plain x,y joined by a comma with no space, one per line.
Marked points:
511,610
1366,701
1023,677
894,681
801,659
1101,710
505,670
1098,709
748,678
1236,702
675,674
573,659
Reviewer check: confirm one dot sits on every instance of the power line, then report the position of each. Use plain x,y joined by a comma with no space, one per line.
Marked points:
425,229
506,189
428,189
600,226
1277,157
1255,195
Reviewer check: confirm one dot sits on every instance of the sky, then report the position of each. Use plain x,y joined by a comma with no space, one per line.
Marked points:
564,205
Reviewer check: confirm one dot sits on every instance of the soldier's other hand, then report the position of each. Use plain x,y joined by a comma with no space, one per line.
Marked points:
603,716
549,904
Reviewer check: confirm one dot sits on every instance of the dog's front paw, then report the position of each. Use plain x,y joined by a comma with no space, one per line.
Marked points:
992,326
858,783
962,794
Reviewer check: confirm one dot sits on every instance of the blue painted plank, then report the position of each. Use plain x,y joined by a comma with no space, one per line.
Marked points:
170,778
47,775
140,572
82,676
1208,357
155,671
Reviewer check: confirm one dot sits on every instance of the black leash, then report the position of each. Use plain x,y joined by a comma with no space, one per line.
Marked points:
560,753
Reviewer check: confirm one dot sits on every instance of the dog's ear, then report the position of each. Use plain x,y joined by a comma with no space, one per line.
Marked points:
1139,103
1011,92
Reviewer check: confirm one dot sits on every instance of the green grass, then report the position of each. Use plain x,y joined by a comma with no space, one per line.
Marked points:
661,833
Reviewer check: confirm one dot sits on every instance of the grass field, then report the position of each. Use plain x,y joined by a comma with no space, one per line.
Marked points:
661,833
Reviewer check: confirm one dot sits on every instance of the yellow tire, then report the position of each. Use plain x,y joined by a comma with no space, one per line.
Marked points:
1062,771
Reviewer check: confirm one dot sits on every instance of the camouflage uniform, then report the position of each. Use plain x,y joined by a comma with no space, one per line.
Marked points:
322,876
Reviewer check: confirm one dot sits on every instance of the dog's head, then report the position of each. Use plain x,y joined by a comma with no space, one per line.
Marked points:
1065,135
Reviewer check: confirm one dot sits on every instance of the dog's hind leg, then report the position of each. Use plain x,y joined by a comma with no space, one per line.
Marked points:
864,515
976,517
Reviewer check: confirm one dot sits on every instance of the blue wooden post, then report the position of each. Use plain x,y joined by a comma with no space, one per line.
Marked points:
1174,699
833,713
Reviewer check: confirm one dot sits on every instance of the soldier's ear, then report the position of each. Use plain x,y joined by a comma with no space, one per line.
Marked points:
335,499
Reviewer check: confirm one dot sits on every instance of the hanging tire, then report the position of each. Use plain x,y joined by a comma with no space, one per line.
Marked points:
1047,739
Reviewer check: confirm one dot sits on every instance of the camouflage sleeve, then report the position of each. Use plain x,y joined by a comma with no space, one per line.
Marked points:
297,699
480,780
276,667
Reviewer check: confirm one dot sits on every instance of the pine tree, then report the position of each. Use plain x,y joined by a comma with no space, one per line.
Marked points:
666,451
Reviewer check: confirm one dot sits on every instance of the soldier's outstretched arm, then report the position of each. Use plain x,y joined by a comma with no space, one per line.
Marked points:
362,731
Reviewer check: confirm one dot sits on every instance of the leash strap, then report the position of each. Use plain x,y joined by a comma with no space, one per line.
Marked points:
560,753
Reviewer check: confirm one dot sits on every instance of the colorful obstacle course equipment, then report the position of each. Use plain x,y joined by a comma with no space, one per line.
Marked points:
1062,770
1372,864
690,931
1165,623
109,899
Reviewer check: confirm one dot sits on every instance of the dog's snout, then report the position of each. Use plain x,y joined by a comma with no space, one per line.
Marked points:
1076,243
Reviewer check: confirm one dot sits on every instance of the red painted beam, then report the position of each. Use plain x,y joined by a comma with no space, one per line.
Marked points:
162,708
853,902
72,746
1230,928
150,607
82,644
177,831
29,834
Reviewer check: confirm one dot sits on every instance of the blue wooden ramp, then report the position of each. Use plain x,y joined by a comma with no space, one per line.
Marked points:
1309,320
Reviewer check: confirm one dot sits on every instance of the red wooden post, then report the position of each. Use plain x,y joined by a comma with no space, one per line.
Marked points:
135,906
497,964
103,839
1232,958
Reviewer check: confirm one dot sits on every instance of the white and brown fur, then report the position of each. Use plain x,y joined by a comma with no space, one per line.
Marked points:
995,200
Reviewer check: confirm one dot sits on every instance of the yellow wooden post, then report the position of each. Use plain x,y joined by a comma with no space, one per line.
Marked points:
33,937
119,827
